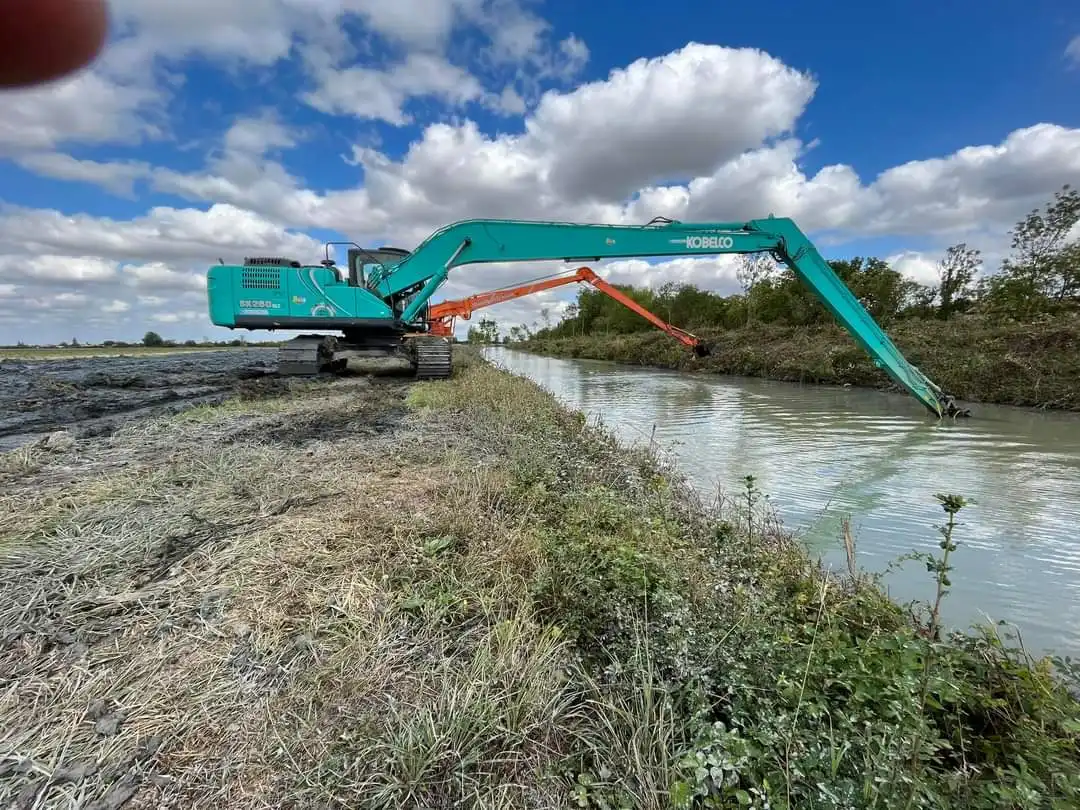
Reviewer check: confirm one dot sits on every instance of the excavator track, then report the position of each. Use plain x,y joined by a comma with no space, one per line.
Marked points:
307,355
433,357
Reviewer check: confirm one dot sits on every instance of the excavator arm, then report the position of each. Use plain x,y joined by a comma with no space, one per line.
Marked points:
492,240
441,315
681,335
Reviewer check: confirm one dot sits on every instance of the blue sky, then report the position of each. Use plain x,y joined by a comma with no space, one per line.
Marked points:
205,131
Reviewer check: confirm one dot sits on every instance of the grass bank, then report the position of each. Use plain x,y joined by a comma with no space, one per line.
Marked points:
374,593
973,358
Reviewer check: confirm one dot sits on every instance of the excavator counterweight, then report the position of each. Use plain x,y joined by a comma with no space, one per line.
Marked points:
381,306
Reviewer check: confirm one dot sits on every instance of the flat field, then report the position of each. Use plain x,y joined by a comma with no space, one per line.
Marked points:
77,352
92,395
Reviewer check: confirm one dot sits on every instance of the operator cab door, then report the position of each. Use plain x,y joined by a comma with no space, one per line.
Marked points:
362,262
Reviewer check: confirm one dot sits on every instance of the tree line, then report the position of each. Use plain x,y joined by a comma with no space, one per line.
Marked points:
1041,276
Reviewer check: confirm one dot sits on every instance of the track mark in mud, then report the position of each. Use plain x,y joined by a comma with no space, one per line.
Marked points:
294,432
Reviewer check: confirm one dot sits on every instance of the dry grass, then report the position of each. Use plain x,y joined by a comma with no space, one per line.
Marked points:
324,597
316,598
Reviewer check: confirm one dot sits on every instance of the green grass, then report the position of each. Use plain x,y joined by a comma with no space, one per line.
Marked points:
975,359
717,666
459,594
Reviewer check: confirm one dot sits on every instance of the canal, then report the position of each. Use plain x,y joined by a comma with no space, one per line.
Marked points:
825,453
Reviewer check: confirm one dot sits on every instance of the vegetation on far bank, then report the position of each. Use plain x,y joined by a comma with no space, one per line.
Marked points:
369,593
1011,336
975,358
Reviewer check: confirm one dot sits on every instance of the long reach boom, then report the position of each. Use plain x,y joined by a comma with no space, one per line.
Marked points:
382,306
491,240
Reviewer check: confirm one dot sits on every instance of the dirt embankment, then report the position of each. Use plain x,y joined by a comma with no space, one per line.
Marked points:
367,592
89,396
974,359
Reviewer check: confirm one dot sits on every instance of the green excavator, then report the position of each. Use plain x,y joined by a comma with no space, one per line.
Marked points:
379,305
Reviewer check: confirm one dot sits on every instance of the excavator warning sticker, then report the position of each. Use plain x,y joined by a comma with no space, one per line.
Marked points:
705,242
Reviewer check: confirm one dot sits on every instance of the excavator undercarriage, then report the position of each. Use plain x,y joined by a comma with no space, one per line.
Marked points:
310,355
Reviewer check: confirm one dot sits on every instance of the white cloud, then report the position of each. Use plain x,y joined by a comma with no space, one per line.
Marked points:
89,107
516,33
917,266
178,317
116,176
159,276
992,184
256,31
69,299
47,268
1072,50
115,307
257,136
680,115
264,31
163,233
574,53
713,273
510,102
241,173
766,181
381,94
419,23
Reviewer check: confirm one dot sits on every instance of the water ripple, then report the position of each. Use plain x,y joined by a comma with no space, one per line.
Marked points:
822,453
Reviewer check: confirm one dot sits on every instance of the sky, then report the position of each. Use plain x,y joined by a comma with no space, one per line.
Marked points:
211,131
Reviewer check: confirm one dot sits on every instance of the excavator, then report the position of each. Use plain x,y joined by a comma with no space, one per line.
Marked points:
441,316
381,305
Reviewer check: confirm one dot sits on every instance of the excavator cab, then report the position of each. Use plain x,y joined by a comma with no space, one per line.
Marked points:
361,261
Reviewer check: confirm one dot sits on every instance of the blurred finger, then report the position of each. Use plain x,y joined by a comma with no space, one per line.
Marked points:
42,40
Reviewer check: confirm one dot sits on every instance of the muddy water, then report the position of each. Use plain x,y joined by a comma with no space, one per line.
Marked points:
822,453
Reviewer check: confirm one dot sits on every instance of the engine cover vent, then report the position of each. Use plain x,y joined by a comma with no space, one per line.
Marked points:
270,261
259,278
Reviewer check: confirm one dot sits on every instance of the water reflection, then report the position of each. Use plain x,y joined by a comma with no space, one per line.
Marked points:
823,453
